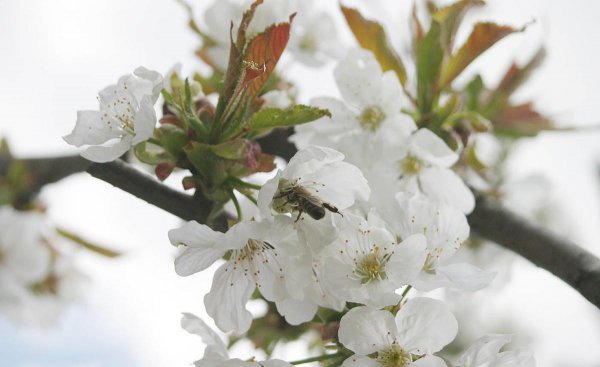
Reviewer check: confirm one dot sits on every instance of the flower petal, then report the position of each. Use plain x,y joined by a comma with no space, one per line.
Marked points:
407,260
297,312
145,121
358,78
430,361
215,348
514,358
90,130
425,325
366,330
484,350
102,154
444,185
429,147
154,77
466,276
360,361
265,196
226,301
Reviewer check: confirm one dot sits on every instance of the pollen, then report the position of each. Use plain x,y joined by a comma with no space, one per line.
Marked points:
371,118
411,165
394,357
371,267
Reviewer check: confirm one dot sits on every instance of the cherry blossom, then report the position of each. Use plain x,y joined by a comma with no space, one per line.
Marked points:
215,354
445,229
257,258
485,352
422,327
368,115
126,117
366,264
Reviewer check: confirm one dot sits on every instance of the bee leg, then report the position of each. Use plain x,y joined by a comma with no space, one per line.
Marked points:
298,217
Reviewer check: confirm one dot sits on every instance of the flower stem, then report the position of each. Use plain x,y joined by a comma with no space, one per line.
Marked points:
238,209
406,290
316,359
154,141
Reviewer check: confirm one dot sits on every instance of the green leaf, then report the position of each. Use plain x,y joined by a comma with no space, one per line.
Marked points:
268,118
168,97
483,36
474,121
474,91
233,149
450,17
210,84
371,36
212,168
152,157
429,59
172,139
100,250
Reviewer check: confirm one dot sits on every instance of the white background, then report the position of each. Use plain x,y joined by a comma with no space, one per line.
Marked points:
56,54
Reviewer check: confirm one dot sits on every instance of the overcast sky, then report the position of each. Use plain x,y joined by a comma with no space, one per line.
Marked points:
56,55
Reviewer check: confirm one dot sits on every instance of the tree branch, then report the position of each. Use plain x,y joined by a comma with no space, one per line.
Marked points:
574,265
571,263
46,170
143,186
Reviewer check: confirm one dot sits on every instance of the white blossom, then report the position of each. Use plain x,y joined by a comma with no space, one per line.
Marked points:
315,185
257,258
422,327
485,352
366,264
24,257
215,354
125,118
445,229
369,116
313,39
424,165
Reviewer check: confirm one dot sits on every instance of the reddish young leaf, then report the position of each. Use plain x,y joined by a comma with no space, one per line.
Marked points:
371,36
262,54
234,69
164,170
450,17
521,120
516,75
483,36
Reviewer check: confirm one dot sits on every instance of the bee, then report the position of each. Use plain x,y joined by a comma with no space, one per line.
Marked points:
298,198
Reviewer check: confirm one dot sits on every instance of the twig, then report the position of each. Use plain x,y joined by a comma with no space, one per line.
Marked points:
48,169
143,186
571,263
276,143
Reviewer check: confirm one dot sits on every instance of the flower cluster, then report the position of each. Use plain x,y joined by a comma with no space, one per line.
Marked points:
320,242
37,279
370,207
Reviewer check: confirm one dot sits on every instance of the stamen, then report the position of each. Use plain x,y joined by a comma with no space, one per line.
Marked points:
371,118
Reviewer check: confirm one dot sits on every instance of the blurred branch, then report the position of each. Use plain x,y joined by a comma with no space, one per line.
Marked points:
571,263
276,143
46,170
145,187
